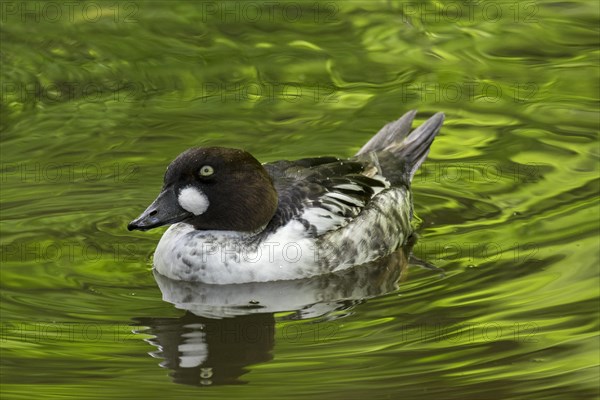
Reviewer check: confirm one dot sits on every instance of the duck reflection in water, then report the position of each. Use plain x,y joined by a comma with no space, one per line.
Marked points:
204,351
227,328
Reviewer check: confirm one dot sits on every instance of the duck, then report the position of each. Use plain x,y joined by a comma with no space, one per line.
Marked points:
236,220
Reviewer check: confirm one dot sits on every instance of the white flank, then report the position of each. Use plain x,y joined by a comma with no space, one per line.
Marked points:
193,200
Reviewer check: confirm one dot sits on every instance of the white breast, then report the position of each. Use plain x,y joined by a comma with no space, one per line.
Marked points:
230,257
224,257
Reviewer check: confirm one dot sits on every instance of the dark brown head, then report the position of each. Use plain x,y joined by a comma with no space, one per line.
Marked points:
213,188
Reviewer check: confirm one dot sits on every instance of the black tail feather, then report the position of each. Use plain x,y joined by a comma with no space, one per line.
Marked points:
390,133
409,149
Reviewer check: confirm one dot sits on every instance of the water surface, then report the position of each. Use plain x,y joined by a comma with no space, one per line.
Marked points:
97,99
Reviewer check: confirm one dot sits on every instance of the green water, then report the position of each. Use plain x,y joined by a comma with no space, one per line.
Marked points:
97,98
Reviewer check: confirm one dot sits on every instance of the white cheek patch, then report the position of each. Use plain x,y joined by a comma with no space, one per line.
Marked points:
193,200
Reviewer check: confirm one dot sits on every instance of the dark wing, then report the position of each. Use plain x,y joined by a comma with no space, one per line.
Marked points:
323,193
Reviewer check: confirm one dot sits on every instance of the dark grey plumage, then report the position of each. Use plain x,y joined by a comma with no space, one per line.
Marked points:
395,153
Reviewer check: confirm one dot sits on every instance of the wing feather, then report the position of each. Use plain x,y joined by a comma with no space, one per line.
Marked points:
324,193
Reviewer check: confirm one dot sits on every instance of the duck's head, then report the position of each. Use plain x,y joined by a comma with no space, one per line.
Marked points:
212,188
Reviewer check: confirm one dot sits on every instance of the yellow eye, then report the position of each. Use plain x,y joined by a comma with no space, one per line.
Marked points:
206,170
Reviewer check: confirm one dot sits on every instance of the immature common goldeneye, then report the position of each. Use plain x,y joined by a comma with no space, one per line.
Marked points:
236,220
